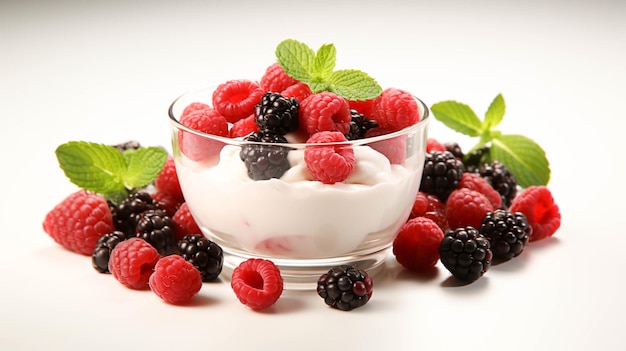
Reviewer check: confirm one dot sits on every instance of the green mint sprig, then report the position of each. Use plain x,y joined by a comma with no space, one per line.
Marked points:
108,171
522,156
317,70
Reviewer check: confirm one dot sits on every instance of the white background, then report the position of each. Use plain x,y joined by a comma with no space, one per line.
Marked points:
107,71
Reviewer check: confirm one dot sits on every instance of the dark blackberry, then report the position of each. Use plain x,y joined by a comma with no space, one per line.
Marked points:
455,149
102,252
501,179
277,114
465,253
359,125
442,174
345,287
204,254
131,144
265,161
157,228
126,214
507,233
474,159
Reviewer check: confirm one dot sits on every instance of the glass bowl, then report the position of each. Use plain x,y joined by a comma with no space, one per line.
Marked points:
302,225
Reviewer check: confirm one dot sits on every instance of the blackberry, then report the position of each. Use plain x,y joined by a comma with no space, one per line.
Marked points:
277,114
131,144
204,254
265,161
501,179
465,253
102,252
126,214
359,125
442,174
157,228
507,233
455,149
474,159
345,287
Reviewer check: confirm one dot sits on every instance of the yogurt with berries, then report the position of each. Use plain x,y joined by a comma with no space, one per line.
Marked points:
295,216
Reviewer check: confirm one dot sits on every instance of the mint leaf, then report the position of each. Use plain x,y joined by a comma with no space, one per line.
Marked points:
523,157
458,117
296,58
325,60
494,113
144,166
94,167
353,85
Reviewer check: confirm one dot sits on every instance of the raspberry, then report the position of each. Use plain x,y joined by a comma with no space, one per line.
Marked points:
126,214
395,109
243,127
394,149
184,222
167,180
325,111
434,145
175,280
329,163
507,233
476,182
298,91
537,204
275,79
205,255
257,283
193,107
236,99
362,106
465,253
157,228
441,175
264,162
501,179
345,287
466,207
199,148
102,252
277,114
429,206
78,222
359,125
416,246
132,262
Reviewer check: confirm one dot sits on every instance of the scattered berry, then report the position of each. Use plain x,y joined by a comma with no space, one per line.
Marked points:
257,283
277,114
78,222
275,79
243,127
476,182
236,99
466,207
329,163
434,145
200,148
429,206
126,214
359,125
501,179
395,109
175,280
507,233
204,254
298,91
441,175
542,213
167,180
325,111
132,262
345,287
157,229
102,252
265,161
184,222
394,149
416,246
465,253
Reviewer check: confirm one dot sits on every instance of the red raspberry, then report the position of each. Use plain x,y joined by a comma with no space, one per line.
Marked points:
175,280
167,202
466,207
243,127
429,206
77,222
167,180
362,106
298,91
395,109
416,246
475,182
537,204
394,149
434,145
132,262
200,148
329,163
236,99
325,112
275,79
184,222
257,283
193,107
